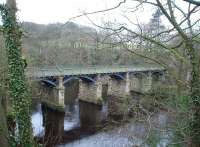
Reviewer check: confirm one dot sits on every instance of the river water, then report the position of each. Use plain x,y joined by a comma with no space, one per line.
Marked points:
71,120
65,130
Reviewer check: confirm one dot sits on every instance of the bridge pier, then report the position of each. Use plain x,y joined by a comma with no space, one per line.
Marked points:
147,82
158,79
91,92
71,94
141,82
53,95
119,87
61,92
90,102
119,95
136,82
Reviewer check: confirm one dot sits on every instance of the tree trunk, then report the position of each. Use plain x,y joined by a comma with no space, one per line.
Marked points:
195,93
17,87
3,128
179,85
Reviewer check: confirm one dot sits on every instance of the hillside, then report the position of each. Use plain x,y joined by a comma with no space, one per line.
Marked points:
69,44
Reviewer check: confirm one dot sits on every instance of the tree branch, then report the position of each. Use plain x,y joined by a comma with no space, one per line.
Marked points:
194,2
95,12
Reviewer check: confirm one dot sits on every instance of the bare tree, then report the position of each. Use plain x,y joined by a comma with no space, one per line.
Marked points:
195,2
184,28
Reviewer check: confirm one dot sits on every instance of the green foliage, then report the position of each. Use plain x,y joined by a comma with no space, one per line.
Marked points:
183,103
153,139
183,114
17,87
164,91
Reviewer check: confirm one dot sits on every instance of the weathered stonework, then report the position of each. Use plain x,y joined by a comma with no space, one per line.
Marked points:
91,92
53,97
49,94
61,92
102,86
136,82
118,92
141,82
120,88
158,79
71,91
147,82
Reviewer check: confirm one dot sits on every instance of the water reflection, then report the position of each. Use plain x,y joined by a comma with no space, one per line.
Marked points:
37,120
91,115
71,119
53,127
128,135
42,116
101,140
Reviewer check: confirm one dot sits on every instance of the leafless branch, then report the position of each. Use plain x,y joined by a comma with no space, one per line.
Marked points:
194,2
99,11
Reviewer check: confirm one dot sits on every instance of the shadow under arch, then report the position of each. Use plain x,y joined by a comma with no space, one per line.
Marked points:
48,82
85,78
118,76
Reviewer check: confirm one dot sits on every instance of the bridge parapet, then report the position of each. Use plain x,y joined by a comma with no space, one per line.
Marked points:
63,71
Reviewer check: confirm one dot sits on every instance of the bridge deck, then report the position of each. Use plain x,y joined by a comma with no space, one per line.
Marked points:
56,71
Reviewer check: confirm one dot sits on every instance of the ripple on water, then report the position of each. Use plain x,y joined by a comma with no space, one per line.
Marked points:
71,119
102,140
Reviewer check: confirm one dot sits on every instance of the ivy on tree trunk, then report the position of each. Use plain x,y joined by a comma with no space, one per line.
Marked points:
17,85
195,92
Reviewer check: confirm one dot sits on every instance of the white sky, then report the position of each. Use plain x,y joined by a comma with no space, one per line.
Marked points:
52,11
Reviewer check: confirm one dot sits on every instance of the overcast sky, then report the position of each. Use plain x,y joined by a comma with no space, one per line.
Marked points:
52,11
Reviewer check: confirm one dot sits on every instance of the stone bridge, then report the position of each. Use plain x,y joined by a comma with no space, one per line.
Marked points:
93,81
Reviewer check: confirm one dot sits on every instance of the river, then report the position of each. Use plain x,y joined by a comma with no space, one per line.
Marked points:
63,129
